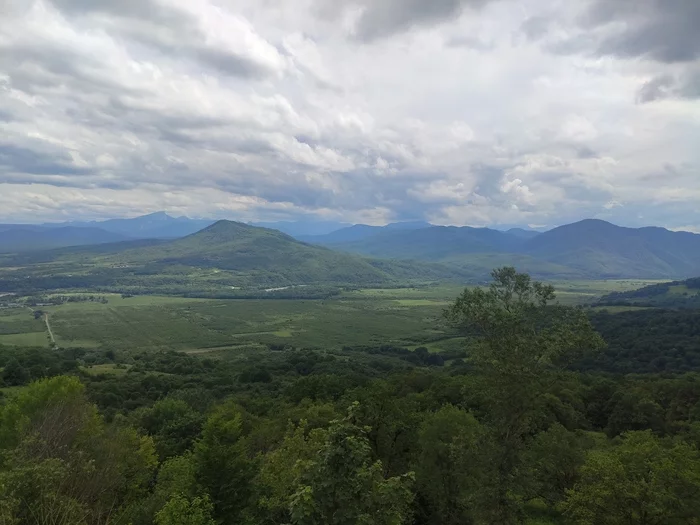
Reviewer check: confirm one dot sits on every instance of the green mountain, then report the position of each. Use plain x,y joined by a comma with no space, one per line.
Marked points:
221,260
586,249
603,250
258,255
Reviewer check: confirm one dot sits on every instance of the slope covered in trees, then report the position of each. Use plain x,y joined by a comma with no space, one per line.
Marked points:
222,258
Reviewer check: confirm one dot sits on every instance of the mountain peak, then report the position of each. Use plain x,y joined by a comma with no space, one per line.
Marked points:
226,231
157,216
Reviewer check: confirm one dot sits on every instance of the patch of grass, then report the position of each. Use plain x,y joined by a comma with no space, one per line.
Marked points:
619,309
26,339
110,369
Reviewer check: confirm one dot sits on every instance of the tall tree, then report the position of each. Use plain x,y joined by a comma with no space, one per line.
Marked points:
448,468
224,464
519,341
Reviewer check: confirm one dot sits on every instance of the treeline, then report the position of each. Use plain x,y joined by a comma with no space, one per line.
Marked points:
508,435
646,341
659,295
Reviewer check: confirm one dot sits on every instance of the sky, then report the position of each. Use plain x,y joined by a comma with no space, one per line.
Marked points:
467,112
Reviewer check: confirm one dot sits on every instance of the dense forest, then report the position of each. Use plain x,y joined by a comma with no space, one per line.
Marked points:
547,416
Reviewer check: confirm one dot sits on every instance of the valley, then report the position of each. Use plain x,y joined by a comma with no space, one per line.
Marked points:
401,337
404,317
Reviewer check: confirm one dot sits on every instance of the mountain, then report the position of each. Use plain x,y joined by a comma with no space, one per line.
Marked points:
586,249
675,294
157,225
604,250
362,231
226,260
429,244
266,256
15,239
522,233
298,229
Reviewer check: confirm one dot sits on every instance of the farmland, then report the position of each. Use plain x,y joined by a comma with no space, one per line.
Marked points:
407,317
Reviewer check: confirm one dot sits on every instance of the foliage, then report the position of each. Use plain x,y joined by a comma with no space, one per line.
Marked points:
641,480
223,461
61,463
342,486
518,425
520,343
449,469
180,510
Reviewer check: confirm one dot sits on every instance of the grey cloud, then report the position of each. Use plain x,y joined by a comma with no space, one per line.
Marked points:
664,30
229,63
380,19
171,31
488,179
684,86
52,67
132,8
656,88
584,152
30,161
535,27
470,42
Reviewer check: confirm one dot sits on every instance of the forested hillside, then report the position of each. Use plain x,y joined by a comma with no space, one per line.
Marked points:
508,429
676,294
226,259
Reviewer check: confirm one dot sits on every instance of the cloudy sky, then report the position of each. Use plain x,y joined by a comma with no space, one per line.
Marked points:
468,112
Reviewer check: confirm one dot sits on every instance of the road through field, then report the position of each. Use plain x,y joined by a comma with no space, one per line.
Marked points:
48,327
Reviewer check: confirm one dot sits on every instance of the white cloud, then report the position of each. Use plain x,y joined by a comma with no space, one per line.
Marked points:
461,111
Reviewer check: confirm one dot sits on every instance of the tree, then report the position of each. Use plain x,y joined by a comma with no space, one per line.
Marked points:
280,472
393,422
635,411
551,463
62,464
172,423
448,469
14,374
343,486
643,480
518,342
181,510
224,464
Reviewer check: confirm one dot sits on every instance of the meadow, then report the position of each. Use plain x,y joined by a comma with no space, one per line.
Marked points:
408,317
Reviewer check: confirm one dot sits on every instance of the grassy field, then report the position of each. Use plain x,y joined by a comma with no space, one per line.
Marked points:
408,317
19,328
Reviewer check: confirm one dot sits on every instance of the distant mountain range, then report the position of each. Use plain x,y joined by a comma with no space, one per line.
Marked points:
158,225
359,232
26,238
586,249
